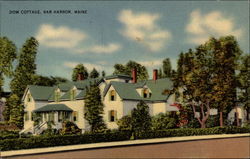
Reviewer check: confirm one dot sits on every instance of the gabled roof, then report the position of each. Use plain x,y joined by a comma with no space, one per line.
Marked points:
53,107
127,91
118,76
40,92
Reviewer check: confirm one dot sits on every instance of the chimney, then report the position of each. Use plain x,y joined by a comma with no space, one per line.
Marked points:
80,77
134,75
155,74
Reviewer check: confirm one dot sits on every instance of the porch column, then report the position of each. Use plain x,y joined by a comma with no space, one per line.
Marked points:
56,117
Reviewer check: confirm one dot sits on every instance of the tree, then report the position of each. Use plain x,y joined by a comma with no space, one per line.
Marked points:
167,68
243,79
142,73
160,75
16,110
103,74
79,69
26,67
226,53
94,73
47,81
7,56
94,108
141,120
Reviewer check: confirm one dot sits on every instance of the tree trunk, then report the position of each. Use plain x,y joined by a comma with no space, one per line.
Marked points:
221,119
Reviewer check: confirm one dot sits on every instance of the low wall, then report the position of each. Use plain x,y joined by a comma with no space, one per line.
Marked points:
210,146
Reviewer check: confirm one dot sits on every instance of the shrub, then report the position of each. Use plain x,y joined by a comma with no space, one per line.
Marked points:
163,121
69,128
6,134
59,140
192,132
125,123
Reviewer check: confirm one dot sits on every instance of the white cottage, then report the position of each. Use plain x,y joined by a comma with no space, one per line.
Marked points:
120,94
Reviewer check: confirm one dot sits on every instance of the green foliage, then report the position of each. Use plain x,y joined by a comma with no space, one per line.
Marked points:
26,67
167,68
94,108
8,134
244,83
163,121
94,73
213,121
103,74
47,81
69,128
141,119
7,56
60,140
79,69
192,132
160,74
125,123
16,110
142,73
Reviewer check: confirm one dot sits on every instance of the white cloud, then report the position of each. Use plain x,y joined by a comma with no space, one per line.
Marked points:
59,37
105,49
142,27
72,39
201,27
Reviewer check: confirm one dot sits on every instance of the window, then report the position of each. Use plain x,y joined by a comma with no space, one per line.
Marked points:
73,94
26,116
145,93
112,115
57,96
29,98
112,95
75,116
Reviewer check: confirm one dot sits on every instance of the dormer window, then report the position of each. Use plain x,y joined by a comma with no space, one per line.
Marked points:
57,96
73,94
145,93
112,95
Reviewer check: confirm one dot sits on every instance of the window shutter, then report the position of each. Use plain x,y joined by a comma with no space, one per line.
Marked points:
109,115
115,114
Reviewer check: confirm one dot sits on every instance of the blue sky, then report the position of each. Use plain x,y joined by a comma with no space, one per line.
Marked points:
116,32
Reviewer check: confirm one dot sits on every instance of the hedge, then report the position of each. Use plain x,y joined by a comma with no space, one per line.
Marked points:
60,140
8,134
191,132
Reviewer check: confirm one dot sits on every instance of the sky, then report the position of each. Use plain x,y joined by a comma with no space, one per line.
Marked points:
111,32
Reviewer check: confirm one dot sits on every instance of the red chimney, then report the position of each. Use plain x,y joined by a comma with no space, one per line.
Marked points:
155,74
80,77
134,75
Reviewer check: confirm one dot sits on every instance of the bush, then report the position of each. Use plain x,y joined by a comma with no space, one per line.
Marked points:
163,121
69,128
59,140
8,134
192,132
125,123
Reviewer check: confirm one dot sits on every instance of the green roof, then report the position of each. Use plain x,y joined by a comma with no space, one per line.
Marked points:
118,76
53,107
40,92
128,91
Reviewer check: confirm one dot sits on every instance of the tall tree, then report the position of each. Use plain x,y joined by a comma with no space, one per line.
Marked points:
142,73
80,68
244,83
7,56
47,81
141,119
226,54
167,68
26,67
94,108
160,75
94,73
